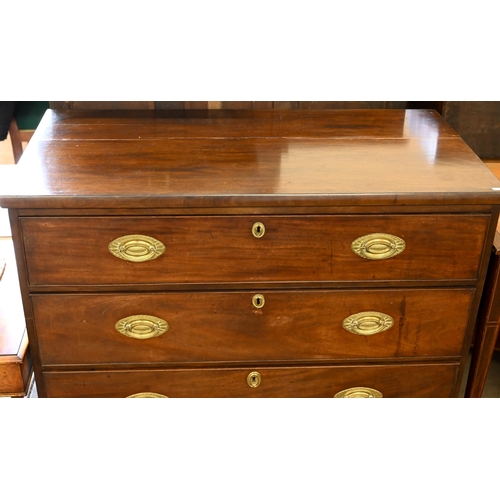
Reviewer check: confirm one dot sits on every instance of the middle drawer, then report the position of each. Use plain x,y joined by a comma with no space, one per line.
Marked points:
204,327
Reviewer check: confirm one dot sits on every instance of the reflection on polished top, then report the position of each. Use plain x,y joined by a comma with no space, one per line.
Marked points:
220,158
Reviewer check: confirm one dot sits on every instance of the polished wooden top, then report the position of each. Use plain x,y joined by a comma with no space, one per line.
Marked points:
228,158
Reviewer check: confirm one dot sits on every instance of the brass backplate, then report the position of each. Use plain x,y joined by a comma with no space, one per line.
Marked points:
147,395
359,392
378,246
136,248
368,323
141,326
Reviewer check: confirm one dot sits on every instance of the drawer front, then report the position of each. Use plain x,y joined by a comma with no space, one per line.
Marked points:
223,249
404,381
235,326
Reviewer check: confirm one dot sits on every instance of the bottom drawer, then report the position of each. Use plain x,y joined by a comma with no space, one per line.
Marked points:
404,380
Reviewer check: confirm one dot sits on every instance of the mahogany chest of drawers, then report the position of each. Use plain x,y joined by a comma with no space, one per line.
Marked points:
250,253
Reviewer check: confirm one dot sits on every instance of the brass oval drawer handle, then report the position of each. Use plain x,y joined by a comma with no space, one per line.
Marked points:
368,323
147,395
141,326
258,301
136,248
258,229
378,246
359,392
254,379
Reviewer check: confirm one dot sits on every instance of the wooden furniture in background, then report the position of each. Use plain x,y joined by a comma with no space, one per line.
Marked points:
162,105
488,325
478,123
15,359
486,338
250,253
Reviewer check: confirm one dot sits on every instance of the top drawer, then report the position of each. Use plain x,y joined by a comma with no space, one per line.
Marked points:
222,249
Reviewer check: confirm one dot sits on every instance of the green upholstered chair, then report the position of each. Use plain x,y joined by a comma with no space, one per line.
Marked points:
27,116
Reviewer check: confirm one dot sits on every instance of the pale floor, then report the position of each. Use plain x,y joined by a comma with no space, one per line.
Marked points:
492,387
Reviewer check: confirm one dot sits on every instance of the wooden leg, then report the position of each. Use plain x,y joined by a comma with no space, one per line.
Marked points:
15,137
488,324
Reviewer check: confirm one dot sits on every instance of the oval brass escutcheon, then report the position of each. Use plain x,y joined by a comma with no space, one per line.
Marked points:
359,392
367,323
378,246
141,326
258,229
136,248
147,395
258,300
254,379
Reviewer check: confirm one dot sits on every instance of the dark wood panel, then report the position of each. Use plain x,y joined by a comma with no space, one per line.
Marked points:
486,331
196,104
403,381
227,327
342,105
101,105
482,354
437,105
64,251
263,105
397,105
169,104
236,104
65,105
286,105
346,105
478,123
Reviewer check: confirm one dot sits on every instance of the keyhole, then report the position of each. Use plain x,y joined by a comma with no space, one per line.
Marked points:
254,379
258,229
258,301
